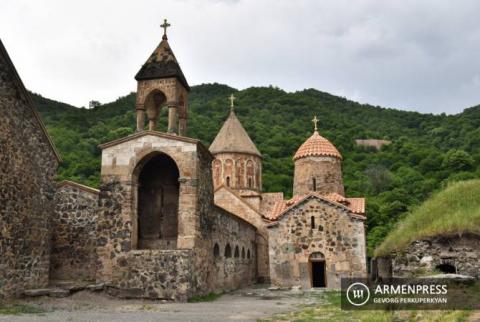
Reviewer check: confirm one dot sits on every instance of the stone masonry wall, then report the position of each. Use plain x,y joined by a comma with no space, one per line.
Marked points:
74,233
243,170
427,255
233,203
327,172
239,268
338,235
27,169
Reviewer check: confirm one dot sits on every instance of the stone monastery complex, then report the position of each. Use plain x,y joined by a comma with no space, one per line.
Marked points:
172,219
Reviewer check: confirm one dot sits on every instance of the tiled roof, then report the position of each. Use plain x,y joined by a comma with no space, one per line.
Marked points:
354,205
317,145
232,137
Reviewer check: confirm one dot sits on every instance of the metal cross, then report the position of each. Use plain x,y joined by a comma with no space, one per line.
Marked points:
165,25
315,121
232,98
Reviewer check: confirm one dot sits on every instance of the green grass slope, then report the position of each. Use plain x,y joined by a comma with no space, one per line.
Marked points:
455,210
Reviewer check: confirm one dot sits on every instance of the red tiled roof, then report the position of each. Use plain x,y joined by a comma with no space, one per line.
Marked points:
354,205
317,145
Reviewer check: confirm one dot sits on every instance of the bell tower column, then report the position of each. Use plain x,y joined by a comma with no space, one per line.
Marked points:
172,118
140,117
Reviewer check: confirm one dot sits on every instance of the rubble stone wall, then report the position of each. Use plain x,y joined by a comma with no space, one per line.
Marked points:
337,235
28,166
74,233
431,255
239,268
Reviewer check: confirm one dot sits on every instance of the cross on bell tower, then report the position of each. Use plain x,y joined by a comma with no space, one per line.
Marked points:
165,25
161,84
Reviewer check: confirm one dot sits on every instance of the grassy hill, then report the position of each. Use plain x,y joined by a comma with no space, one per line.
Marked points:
455,210
427,152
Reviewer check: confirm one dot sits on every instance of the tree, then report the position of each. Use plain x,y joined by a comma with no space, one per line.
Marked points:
458,160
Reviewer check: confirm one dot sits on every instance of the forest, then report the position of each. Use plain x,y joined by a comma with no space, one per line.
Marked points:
427,151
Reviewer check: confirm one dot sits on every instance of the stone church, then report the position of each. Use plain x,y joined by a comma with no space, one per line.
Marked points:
171,218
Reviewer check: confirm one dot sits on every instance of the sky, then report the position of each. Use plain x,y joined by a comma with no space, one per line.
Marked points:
406,54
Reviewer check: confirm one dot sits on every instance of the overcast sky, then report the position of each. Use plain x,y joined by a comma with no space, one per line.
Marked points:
421,55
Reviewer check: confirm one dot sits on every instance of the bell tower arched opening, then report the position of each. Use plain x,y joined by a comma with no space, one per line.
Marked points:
158,200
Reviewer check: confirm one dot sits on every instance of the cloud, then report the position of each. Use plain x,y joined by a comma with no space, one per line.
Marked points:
405,54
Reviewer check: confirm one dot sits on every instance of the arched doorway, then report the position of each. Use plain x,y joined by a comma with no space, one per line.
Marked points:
318,274
157,207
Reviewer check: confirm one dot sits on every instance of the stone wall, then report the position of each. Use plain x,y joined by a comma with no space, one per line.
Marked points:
173,274
461,254
74,232
337,234
235,204
238,171
327,172
28,166
240,267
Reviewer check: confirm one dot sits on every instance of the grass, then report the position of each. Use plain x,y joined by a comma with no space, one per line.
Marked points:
16,309
210,297
327,309
455,210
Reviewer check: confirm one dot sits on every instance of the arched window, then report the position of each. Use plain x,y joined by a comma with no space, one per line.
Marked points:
250,173
248,254
237,252
314,184
216,250
228,172
243,252
312,222
228,251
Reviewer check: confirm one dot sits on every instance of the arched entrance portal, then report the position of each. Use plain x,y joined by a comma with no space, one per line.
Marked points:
318,275
157,208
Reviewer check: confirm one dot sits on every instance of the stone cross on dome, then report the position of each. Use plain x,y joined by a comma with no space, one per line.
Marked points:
232,99
315,121
165,25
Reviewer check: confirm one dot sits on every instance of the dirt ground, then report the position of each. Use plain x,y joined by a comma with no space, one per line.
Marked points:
243,305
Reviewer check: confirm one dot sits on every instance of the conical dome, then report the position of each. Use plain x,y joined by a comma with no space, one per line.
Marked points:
232,137
162,64
317,145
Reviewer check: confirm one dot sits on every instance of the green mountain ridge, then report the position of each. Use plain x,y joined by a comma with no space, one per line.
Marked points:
428,151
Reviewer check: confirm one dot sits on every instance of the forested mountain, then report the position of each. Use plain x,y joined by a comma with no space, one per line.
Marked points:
427,150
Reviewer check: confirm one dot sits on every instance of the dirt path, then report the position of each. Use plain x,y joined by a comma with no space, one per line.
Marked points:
244,305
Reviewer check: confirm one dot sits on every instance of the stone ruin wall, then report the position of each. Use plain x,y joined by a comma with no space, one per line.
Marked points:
427,255
337,235
28,166
74,233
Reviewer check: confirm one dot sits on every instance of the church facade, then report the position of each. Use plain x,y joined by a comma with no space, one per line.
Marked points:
173,219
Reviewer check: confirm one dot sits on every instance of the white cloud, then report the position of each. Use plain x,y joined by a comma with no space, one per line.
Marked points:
400,53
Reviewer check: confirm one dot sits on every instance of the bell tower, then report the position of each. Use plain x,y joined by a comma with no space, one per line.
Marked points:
161,83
